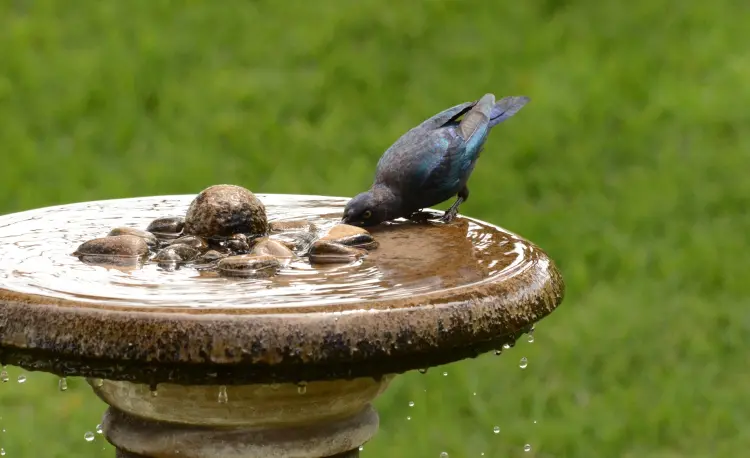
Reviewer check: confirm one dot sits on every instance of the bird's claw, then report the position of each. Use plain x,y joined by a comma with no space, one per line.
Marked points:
448,216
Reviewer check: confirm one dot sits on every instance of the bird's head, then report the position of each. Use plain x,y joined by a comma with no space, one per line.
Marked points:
369,208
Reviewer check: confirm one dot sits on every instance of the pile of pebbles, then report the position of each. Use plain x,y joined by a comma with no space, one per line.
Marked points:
226,229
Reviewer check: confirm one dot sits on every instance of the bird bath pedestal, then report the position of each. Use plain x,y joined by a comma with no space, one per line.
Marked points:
194,365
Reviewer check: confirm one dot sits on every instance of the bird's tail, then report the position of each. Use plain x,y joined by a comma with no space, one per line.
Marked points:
505,108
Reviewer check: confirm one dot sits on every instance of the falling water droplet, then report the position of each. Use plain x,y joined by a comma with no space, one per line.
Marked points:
423,371
2,452
99,429
21,378
527,448
498,352
361,447
411,403
506,346
496,429
98,382
475,393
302,387
530,338
4,375
534,421
89,436
444,455
154,393
408,418
223,396
524,362
445,374
63,384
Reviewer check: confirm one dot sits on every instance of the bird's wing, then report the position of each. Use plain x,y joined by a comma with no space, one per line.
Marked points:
445,116
476,121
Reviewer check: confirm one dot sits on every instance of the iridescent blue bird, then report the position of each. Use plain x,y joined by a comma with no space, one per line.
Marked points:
431,163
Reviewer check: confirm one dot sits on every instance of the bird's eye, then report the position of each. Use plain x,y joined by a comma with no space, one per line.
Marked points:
366,214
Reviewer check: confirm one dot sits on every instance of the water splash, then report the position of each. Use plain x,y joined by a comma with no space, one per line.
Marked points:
98,382
89,436
445,374
527,448
99,429
223,396
22,378
4,375
444,455
524,363
2,452
62,384
496,430
411,403
302,387
423,371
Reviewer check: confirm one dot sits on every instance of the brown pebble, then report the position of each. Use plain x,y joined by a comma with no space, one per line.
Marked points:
268,247
167,225
193,241
248,266
348,235
116,245
148,237
324,252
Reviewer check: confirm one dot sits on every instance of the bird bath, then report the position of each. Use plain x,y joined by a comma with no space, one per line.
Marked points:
197,365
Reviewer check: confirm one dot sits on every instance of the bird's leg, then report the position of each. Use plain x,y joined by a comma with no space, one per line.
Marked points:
463,196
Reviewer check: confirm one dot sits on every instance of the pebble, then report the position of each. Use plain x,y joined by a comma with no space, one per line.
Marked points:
293,226
117,250
268,247
345,234
248,266
193,241
224,210
324,252
167,225
210,256
148,237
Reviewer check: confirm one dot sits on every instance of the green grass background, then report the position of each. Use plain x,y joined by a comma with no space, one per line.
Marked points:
629,167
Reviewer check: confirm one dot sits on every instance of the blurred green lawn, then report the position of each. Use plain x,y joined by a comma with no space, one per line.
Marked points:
629,167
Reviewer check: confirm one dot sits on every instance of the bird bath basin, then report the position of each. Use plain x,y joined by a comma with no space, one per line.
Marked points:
197,365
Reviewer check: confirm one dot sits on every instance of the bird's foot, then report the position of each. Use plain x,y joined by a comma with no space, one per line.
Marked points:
449,215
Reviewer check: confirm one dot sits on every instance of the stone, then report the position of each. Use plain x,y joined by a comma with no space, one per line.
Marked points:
167,225
268,247
297,241
116,245
238,244
345,234
224,210
148,237
185,252
248,266
324,252
210,256
193,241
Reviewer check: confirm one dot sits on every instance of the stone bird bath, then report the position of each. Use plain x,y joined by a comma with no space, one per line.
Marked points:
198,365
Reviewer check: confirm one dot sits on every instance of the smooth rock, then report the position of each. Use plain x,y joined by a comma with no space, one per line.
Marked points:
223,210
268,247
210,256
353,236
167,225
325,252
238,244
296,241
116,245
248,266
185,252
148,237
193,241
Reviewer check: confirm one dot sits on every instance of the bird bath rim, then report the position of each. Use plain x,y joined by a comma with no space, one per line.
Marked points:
257,345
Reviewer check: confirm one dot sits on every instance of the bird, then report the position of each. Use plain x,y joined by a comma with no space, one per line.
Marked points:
431,163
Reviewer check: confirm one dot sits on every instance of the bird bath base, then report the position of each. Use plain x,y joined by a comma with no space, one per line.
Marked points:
195,365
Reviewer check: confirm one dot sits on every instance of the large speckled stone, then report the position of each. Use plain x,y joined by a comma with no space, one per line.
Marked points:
223,210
